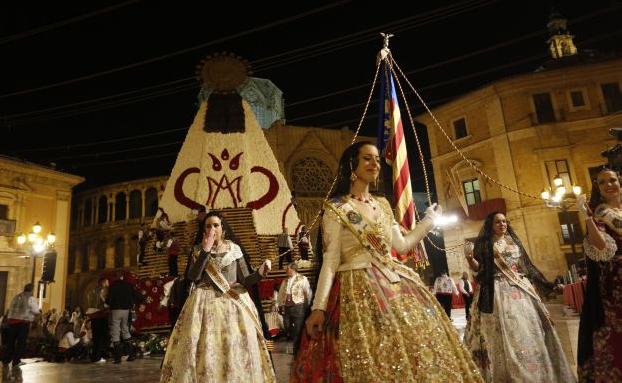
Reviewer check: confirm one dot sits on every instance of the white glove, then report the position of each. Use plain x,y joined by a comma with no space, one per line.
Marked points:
468,249
265,267
582,206
433,211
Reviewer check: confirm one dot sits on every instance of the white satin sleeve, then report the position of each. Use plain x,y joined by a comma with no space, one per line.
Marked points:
331,232
404,243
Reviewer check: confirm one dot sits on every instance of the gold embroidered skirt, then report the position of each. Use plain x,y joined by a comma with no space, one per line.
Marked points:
215,341
378,331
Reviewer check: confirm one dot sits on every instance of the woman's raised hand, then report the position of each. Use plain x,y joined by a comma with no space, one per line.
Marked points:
434,211
208,240
468,249
583,207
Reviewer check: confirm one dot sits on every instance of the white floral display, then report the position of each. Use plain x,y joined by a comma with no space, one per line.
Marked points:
201,150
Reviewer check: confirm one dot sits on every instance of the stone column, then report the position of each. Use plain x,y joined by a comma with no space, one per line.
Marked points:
127,205
127,261
111,209
56,291
142,203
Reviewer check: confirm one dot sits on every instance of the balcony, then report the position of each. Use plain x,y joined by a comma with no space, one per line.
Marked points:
479,211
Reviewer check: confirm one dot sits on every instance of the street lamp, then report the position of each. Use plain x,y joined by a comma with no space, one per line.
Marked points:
562,200
37,244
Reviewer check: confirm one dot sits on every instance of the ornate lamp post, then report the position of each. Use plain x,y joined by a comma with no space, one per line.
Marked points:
561,199
36,245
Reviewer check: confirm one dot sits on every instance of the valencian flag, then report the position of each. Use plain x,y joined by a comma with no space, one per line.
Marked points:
392,145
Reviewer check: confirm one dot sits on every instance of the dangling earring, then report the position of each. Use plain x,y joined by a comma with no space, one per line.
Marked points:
223,235
353,176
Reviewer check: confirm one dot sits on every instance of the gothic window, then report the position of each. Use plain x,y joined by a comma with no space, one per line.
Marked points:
151,202
136,204
119,207
102,207
311,177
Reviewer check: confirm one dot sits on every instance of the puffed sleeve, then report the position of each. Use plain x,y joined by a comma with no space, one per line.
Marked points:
404,243
598,255
603,216
331,232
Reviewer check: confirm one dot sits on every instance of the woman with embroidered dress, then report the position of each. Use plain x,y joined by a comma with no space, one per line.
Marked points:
219,335
510,333
373,319
600,330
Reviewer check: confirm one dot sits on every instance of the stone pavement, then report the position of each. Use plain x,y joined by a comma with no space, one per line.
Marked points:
147,370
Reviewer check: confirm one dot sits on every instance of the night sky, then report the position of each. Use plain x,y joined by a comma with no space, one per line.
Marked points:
106,89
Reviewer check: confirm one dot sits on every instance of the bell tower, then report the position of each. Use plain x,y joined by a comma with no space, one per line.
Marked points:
560,41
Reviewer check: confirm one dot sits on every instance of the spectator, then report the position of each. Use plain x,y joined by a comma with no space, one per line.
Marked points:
143,236
294,297
163,230
304,243
69,346
98,316
22,312
121,297
284,243
445,289
466,289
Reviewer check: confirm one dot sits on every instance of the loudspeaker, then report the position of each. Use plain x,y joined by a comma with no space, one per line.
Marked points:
49,266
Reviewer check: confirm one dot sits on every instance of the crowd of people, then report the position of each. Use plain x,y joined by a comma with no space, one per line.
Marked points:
93,335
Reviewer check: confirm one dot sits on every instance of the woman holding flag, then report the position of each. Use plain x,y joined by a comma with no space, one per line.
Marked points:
373,319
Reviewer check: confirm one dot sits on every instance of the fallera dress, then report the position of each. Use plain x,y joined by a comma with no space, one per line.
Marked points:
382,323
516,342
600,331
218,336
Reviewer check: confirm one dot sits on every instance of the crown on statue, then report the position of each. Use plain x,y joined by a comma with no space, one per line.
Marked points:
223,72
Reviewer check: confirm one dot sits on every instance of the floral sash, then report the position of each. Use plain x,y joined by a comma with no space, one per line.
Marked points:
372,237
510,274
242,300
